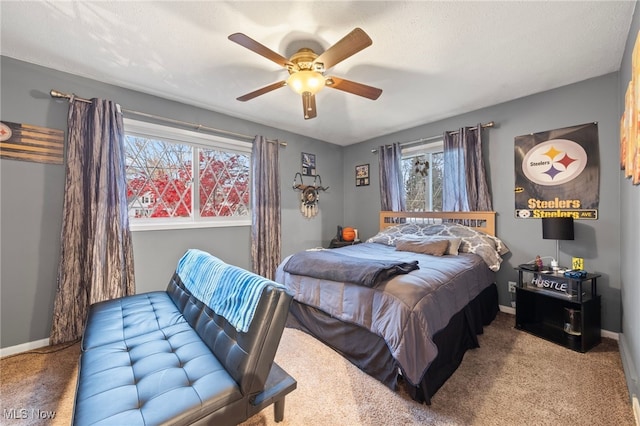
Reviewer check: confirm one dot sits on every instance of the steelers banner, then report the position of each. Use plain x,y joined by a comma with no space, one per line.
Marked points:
558,173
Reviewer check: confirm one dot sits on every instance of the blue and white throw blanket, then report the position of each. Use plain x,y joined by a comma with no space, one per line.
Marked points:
230,291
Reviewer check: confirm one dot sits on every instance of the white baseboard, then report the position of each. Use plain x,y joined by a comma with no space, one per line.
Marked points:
604,333
11,350
507,309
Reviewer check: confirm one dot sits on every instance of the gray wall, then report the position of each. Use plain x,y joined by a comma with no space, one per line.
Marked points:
32,199
630,241
597,241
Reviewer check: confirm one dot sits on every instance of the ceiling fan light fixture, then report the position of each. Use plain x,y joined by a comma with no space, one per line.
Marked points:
306,81
306,69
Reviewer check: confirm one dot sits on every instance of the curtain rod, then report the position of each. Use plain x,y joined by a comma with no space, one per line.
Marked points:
61,95
435,137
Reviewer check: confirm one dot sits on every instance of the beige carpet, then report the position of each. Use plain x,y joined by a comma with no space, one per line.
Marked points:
513,379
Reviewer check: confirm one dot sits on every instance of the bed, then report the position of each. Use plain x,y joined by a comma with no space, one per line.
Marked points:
406,304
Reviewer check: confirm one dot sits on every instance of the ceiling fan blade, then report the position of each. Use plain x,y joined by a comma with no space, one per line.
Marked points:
260,49
359,89
309,105
262,91
349,45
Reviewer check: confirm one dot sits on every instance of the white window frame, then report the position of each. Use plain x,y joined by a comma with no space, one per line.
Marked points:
420,149
198,140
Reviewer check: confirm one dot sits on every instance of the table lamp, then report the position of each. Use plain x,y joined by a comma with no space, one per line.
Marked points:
557,228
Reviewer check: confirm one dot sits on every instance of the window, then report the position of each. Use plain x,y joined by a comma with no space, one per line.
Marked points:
164,188
422,167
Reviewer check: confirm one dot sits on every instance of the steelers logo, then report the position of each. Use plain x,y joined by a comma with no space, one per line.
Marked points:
554,162
524,214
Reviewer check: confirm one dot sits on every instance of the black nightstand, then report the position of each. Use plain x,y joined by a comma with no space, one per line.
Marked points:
336,244
560,309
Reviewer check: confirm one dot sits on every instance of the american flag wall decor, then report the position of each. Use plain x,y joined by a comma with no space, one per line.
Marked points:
31,143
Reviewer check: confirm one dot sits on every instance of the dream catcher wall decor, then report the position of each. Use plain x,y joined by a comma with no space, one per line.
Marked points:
309,196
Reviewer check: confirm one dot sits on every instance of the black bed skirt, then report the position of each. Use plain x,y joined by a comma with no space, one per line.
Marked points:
370,353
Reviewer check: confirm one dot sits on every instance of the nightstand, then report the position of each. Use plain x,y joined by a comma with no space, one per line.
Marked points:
336,244
560,309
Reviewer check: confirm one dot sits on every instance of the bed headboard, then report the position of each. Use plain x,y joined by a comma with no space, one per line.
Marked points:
481,221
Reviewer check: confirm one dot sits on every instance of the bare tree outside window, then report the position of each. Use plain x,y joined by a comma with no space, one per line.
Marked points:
423,185
224,184
158,178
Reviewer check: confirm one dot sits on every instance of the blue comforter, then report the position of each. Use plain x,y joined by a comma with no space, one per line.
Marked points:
407,310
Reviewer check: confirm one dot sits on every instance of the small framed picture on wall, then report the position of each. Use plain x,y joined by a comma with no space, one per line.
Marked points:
308,164
362,175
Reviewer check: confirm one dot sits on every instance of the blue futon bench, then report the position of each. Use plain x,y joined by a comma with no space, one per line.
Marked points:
201,352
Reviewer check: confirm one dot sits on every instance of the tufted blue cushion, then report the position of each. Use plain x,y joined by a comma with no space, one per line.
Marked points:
120,319
148,379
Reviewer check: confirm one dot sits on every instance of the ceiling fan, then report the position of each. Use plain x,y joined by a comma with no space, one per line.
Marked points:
306,69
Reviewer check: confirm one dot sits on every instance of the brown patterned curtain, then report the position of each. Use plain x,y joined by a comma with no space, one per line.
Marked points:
96,256
265,207
465,186
392,196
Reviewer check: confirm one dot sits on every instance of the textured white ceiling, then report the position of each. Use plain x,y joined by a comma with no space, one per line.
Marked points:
432,59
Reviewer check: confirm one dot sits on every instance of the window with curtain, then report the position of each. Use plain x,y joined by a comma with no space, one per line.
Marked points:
422,170
178,178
